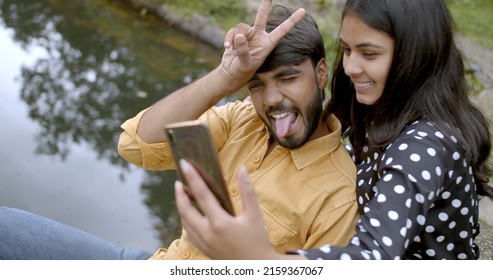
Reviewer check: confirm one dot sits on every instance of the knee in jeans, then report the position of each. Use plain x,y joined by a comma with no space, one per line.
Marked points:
4,210
7,213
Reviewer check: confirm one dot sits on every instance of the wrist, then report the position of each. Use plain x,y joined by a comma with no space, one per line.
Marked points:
231,83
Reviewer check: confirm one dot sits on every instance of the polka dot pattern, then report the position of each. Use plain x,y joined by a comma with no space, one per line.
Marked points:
417,200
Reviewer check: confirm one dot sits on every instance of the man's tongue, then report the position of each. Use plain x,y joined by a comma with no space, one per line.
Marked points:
284,124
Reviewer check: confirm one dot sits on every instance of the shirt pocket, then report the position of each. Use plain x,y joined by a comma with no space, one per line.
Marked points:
280,233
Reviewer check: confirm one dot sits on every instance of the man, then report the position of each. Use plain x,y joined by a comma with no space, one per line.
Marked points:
303,176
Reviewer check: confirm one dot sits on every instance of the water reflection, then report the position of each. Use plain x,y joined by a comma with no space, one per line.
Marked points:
98,65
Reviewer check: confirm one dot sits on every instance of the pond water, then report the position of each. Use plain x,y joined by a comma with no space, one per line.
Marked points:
71,73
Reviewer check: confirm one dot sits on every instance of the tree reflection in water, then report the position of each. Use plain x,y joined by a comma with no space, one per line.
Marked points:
102,65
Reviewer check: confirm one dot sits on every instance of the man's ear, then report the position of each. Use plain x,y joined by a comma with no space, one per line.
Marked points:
322,73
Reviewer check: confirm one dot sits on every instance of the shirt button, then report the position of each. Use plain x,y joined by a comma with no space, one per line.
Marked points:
256,158
185,254
234,191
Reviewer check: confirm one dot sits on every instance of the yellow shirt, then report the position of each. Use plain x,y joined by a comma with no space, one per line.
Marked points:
307,195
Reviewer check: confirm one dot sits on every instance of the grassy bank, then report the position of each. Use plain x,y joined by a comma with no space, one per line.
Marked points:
225,13
473,17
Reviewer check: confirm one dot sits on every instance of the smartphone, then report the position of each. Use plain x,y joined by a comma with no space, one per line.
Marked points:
191,140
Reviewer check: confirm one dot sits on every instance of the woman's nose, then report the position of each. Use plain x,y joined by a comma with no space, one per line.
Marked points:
352,67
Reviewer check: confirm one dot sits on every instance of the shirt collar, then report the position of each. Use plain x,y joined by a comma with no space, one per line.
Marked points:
315,149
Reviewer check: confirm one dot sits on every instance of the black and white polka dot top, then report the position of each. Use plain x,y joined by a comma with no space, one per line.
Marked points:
417,200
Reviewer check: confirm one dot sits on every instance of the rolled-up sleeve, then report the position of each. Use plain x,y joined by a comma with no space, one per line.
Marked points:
155,156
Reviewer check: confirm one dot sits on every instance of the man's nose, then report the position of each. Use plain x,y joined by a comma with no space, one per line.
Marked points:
272,95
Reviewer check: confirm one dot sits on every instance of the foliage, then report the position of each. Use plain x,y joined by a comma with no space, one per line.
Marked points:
473,19
222,12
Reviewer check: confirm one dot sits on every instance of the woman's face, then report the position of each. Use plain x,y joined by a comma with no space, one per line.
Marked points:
367,58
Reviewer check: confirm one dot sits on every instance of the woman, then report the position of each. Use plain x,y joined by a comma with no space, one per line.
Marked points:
420,145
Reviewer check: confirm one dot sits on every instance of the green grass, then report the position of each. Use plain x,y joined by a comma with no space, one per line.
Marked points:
474,19
225,13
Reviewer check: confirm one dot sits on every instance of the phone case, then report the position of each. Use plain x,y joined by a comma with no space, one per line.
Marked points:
191,140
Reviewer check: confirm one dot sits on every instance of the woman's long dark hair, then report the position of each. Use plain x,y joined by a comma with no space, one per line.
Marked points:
426,79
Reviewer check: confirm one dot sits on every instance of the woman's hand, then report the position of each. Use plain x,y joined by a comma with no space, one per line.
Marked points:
215,232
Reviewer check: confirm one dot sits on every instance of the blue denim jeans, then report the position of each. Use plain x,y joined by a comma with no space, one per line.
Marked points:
26,236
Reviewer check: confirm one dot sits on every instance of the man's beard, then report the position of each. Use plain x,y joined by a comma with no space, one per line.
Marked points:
313,111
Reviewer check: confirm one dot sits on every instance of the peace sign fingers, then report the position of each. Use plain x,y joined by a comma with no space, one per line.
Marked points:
282,29
247,47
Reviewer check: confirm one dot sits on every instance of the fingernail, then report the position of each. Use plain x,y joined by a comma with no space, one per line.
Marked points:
243,172
185,166
240,40
227,44
177,184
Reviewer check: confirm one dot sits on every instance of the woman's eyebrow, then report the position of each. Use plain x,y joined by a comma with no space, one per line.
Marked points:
362,45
